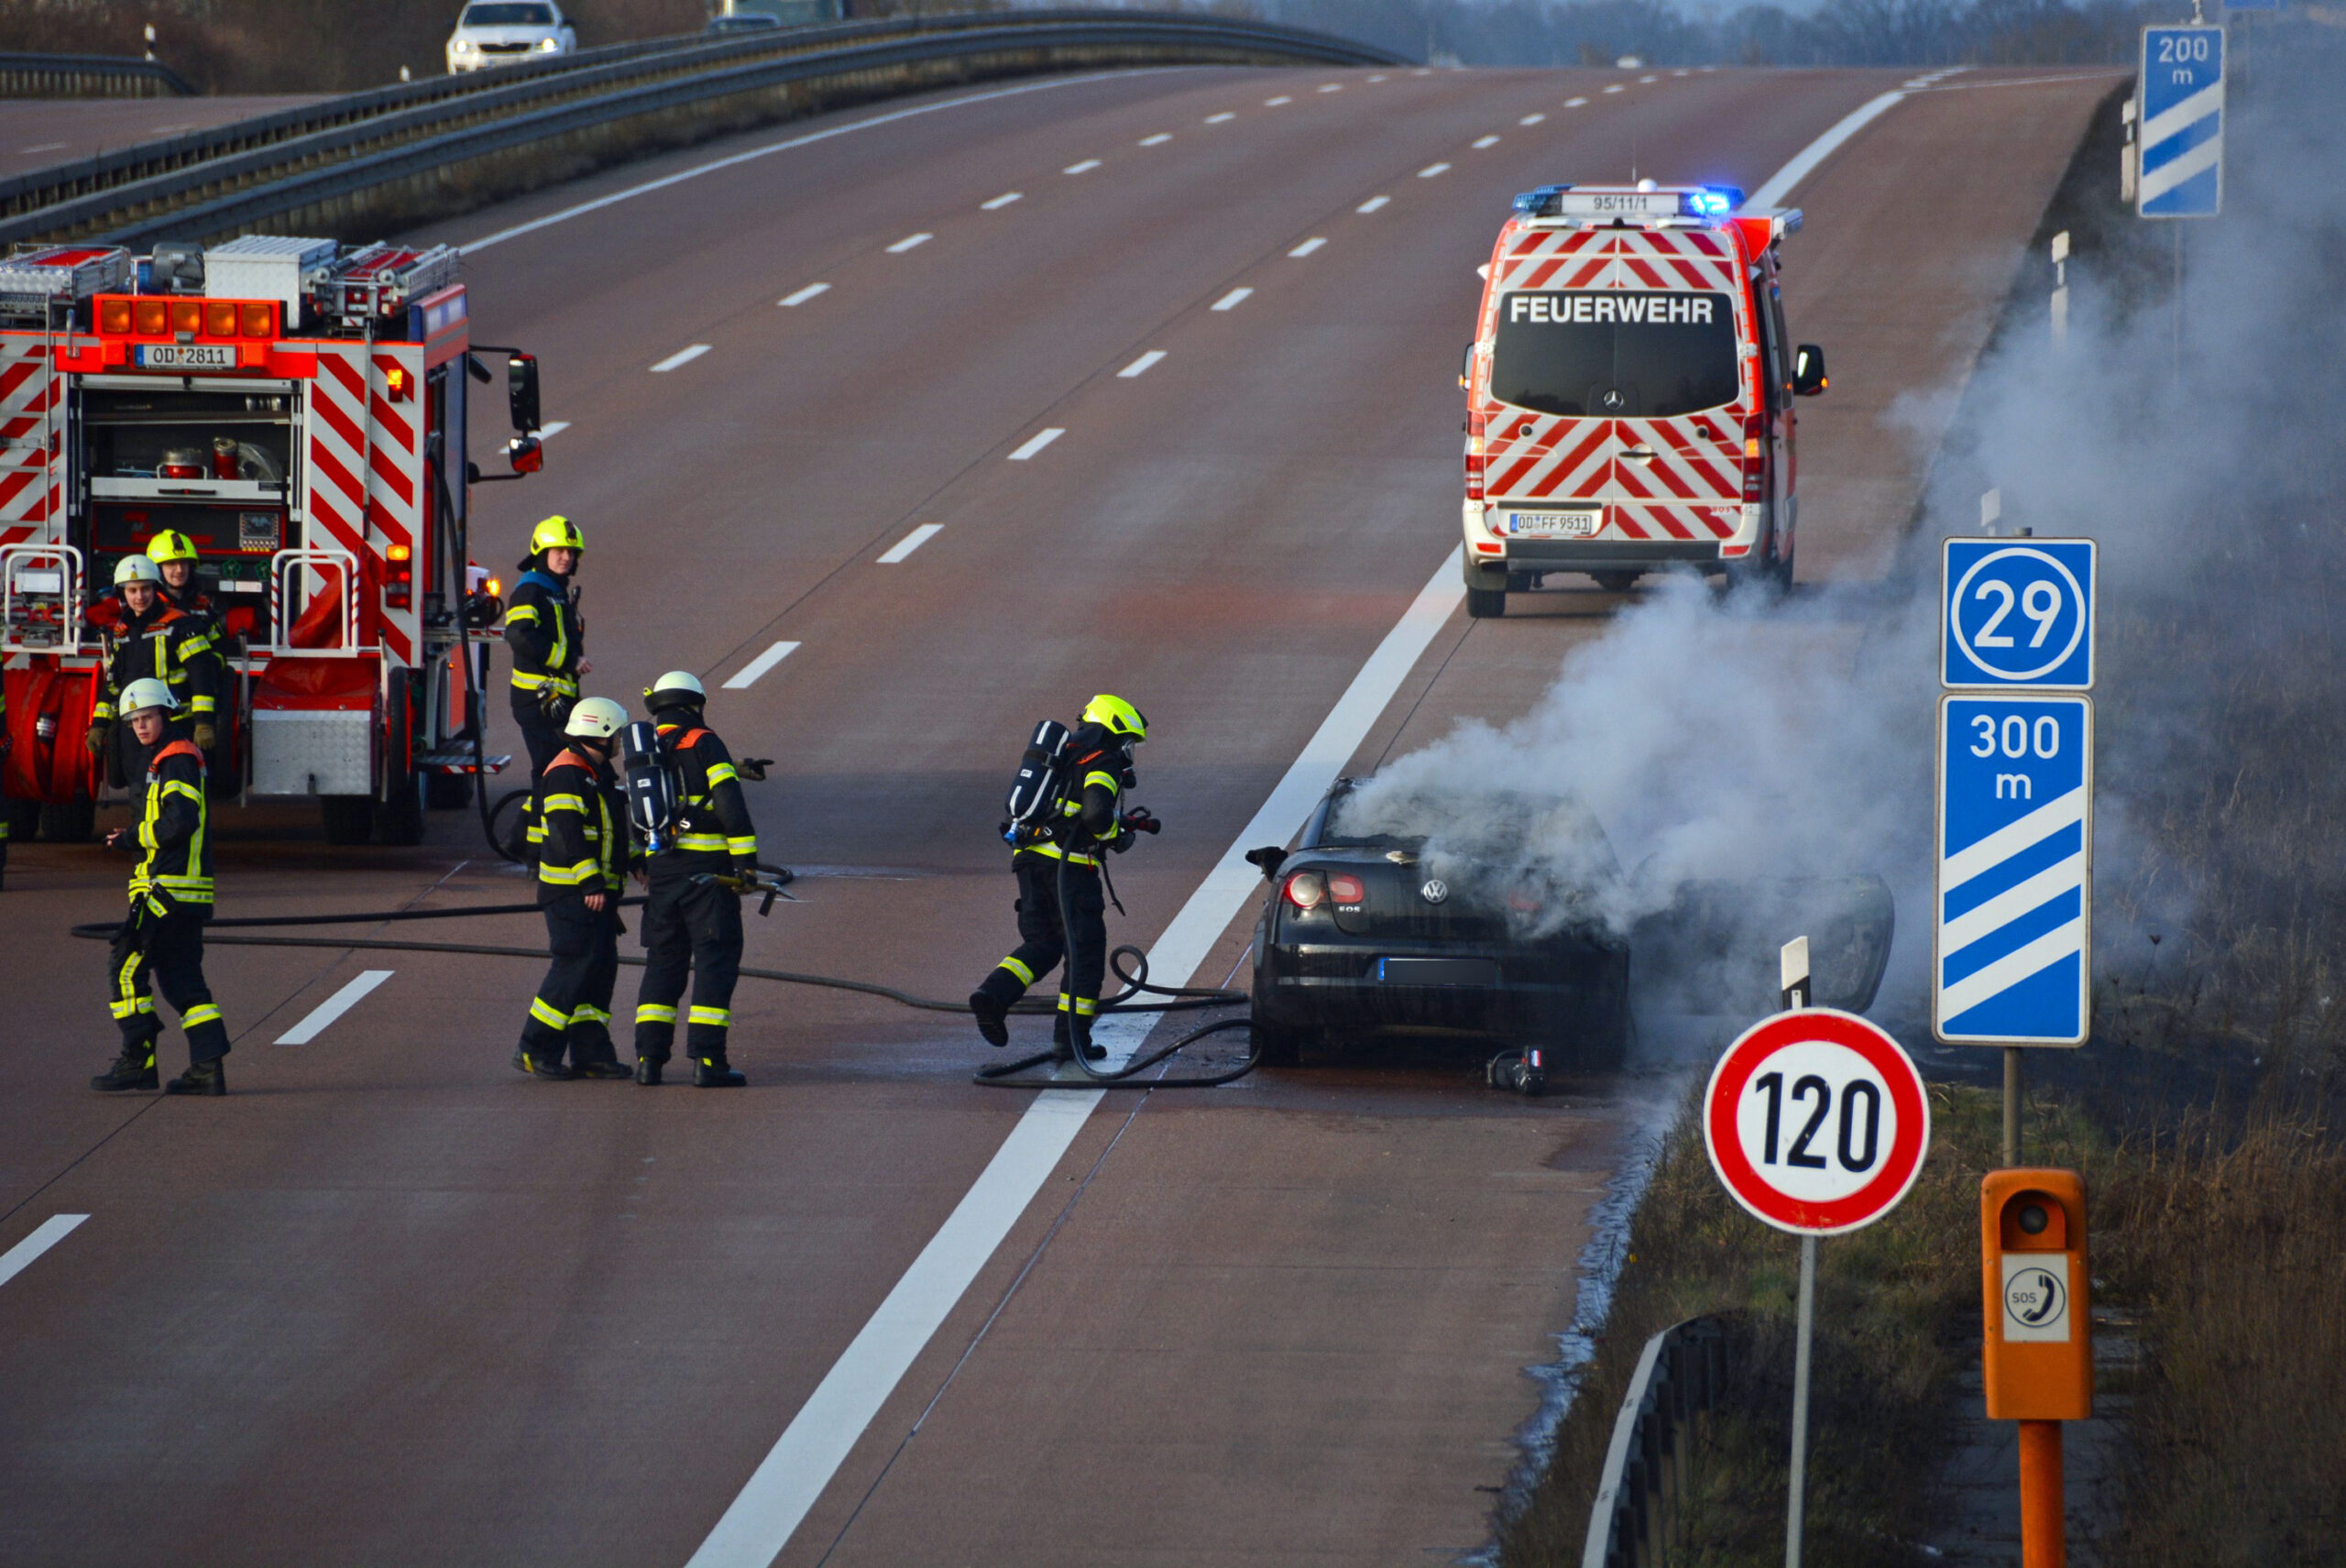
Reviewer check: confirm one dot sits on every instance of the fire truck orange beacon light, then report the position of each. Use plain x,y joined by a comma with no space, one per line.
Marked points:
220,319
187,315
395,380
260,321
151,318
400,553
113,316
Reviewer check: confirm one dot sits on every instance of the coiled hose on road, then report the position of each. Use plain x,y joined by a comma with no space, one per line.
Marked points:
1003,1076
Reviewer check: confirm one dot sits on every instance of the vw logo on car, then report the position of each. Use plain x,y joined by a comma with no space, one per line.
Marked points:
1435,890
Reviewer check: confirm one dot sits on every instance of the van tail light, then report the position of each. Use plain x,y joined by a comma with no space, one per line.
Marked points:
1305,890
1474,457
1345,888
1755,458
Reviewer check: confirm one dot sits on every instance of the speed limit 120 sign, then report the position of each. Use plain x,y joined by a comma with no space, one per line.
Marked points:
1817,1121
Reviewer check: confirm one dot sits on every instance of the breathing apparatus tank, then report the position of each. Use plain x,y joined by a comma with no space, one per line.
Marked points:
1030,813
652,786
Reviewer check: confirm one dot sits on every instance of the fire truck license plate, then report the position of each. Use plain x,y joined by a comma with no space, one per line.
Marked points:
186,356
1555,524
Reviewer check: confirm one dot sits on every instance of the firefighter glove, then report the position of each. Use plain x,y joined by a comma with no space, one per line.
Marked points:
746,867
203,734
97,738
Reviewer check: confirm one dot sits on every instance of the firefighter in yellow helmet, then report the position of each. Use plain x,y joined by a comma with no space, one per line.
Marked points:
583,854
174,555
148,639
171,898
1083,820
548,638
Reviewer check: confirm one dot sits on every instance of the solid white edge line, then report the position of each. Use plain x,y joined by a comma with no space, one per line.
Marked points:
748,674
500,236
788,1481
1231,301
1036,442
800,296
910,542
1141,364
683,356
333,1007
45,1234
1781,183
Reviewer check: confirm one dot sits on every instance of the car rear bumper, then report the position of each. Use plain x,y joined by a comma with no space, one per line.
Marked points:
1359,987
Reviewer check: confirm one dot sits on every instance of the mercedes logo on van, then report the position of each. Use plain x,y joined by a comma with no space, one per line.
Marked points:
1613,398
1435,891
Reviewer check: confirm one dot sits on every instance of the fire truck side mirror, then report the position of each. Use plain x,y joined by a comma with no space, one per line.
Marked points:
1808,371
521,388
2036,1295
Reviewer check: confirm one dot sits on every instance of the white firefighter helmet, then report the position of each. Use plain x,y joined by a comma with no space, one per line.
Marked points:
136,569
141,694
596,718
677,688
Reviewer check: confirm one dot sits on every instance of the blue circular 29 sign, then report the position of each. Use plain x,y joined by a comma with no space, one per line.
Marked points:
2018,612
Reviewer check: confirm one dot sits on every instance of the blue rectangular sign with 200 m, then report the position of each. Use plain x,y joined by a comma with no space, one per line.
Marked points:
2182,123
2011,950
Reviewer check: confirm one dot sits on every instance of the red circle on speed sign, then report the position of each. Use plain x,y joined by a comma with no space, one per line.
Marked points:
1817,1121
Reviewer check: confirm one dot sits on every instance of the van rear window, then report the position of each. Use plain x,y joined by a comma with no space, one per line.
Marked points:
1624,353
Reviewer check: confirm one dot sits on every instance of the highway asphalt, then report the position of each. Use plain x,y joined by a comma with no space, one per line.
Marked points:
35,133
391,1303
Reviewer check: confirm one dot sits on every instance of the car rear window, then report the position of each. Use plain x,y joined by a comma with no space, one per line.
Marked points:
1624,353
509,14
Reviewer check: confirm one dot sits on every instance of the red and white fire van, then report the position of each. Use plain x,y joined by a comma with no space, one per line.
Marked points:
297,409
1629,392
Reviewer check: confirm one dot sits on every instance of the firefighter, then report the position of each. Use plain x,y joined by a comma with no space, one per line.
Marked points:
582,861
175,557
171,898
548,639
1098,771
151,640
691,920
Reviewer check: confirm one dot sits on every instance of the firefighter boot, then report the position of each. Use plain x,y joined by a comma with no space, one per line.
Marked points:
134,1069
648,1065
990,1012
538,1066
201,1078
715,1072
1079,1034
597,1059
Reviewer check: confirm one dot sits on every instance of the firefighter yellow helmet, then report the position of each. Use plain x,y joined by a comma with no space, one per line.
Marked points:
139,695
556,534
169,546
596,718
136,569
1117,716
677,688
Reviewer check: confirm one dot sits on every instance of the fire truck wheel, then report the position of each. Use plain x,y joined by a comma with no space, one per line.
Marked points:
349,819
448,791
400,820
71,822
1485,604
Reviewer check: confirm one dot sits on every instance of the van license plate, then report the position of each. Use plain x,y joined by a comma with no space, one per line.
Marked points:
1555,524
186,355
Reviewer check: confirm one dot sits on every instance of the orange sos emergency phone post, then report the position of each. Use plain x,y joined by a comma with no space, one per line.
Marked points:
2037,1349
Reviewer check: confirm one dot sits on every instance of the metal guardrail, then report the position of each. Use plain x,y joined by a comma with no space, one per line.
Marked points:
123,188
1648,1468
24,75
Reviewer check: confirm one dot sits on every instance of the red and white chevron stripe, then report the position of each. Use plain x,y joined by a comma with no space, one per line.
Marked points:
362,489
32,475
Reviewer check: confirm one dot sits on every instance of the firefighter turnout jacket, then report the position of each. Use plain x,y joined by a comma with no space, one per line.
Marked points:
713,827
174,870
1090,819
165,645
579,828
547,635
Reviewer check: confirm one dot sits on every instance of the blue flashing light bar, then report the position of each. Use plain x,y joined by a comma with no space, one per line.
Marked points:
1620,202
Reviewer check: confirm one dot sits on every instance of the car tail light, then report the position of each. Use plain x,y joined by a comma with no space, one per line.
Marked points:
260,321
1755,461
187,315
113,315
1306,890
220,319
1474,457
1523,901
1345,888
151,318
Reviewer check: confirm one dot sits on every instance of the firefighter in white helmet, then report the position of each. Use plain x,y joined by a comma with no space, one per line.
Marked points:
581,823
171,898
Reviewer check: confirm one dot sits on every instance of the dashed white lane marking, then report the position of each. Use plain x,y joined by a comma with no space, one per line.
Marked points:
1431,169
1140,367
1000,201
1482,142
1230,301
910,242
45,1234
1372,203
551,428
1649,79
1575,102
788,144
747,674
1086,166
1378,77
1036,442
1217,119
681,357
911,542
42,147
800,296
1681,73
1615,88
1307,246
1275,102
333,1007
1332,87
1530,119
1159,139
787,1483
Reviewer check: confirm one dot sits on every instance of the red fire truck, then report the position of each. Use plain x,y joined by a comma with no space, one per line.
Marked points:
297,407
1629,392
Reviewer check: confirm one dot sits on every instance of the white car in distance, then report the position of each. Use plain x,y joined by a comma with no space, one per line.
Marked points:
500,32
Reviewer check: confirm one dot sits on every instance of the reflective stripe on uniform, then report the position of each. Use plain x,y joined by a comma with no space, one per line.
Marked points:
571,875
525,681
544,1014
1085,1006
585,1013
1055,852
1025,976
712,841
748,846
720,1016
653,1013
719,772
200,1015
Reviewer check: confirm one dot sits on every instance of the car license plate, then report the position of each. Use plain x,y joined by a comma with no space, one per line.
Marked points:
1555,524
1438,972
186,355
